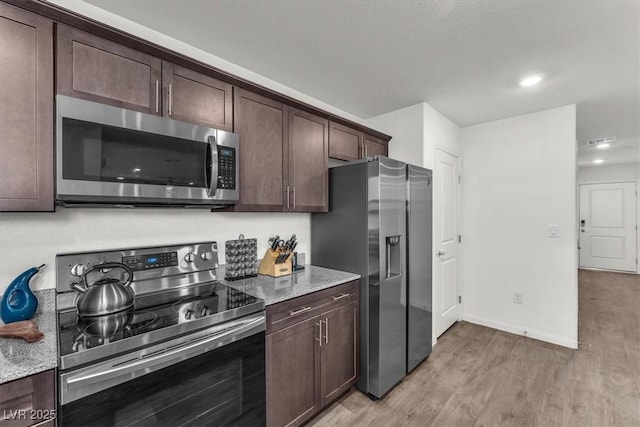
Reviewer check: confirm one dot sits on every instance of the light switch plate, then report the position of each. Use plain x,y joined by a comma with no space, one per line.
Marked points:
554,230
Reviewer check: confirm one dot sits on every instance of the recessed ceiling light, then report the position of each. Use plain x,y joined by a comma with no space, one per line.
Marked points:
598,161
603,146
529,81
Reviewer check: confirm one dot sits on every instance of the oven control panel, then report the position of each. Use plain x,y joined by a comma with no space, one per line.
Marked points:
184,264
145,262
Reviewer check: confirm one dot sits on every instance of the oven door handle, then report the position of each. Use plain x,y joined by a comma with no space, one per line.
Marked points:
211,167
168,356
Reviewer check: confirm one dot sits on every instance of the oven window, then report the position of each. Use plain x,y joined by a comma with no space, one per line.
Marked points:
225,386
96,152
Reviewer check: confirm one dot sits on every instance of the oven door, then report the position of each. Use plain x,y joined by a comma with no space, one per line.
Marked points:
216,378
107,154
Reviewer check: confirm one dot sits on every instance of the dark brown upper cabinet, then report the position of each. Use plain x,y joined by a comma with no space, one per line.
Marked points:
308,170
344,143
374,146
193,97
92,68
26,140
263,127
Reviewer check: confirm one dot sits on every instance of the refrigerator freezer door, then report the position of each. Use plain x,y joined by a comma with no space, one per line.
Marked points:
387,274
419,264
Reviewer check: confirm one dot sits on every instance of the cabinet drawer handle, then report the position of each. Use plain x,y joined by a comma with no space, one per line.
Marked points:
170,98
294,197
302,310
319,339
157,96
340,297
326,330
288,192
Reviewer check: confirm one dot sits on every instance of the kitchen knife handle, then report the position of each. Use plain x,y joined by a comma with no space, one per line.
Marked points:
302,310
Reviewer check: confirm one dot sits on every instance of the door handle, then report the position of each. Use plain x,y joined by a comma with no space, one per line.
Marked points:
170,99
326,330
157,96
319,339
441,253
583,230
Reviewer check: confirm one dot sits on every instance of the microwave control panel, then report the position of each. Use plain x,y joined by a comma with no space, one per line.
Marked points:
226,168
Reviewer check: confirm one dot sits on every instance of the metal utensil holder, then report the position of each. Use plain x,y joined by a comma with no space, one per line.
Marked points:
241,258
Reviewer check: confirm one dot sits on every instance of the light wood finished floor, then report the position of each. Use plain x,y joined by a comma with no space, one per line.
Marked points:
478,376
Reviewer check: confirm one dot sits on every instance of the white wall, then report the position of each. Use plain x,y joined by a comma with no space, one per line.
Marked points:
406,125
611,173
520,177
439,132
28,240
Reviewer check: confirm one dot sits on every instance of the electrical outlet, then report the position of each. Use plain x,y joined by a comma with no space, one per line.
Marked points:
517,297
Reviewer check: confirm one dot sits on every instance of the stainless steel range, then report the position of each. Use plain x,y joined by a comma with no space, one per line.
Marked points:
189,351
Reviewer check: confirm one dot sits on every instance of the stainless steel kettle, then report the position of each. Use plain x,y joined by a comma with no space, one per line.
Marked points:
104,296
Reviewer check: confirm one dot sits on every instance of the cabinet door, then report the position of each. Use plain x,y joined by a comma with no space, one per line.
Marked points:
99,70
374,146
29,400
196,98
293,374
308,157
339,356
26,111
344,143
262,125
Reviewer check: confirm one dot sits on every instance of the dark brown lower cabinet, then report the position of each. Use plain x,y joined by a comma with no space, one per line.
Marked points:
312,353
338,363
29,401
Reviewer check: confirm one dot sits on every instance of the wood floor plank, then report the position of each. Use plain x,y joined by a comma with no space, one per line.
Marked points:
477,376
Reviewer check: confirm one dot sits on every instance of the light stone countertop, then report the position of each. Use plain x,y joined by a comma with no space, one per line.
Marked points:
19,358
274,290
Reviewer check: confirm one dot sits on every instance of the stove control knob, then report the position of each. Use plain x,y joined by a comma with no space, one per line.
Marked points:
78,270
206,255
190,257
188,314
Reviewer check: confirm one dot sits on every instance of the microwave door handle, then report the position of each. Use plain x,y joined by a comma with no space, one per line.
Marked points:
213,155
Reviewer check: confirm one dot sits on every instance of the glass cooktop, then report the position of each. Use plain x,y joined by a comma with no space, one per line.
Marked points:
192,307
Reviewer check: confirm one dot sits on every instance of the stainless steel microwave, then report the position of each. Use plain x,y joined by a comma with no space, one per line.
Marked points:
112,156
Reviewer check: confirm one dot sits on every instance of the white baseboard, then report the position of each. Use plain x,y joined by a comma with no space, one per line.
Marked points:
520,330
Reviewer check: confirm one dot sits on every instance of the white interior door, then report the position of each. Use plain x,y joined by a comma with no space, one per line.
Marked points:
446,246
608,226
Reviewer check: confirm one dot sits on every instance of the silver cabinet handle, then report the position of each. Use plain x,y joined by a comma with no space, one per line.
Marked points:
287,197
340,297
319,339
326,330
170,98
441,253
157,96
294,198
302,310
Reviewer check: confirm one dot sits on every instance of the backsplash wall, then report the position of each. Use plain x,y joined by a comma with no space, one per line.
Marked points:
31,239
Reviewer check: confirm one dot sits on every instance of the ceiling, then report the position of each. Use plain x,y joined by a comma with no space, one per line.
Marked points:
464,58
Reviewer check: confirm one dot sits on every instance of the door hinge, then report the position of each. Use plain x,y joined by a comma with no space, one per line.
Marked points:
459,238
459,299
459,179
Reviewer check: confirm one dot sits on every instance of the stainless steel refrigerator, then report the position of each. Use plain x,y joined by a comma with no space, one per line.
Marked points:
379,226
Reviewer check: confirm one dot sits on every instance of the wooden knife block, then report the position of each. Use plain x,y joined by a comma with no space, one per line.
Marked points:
268,267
